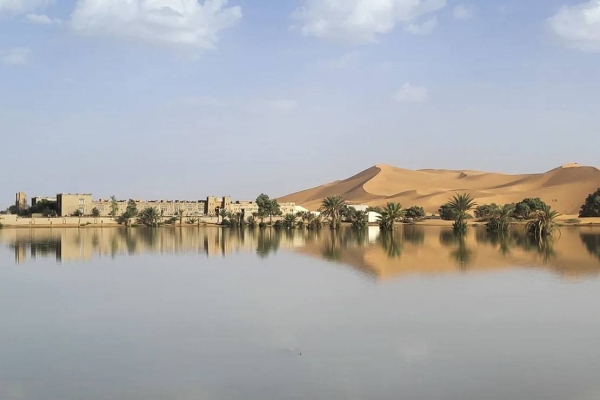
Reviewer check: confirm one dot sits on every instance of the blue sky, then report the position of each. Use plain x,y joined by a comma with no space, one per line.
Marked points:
186,98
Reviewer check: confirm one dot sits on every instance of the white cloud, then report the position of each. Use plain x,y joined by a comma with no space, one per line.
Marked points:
464,11
42,19
185,25
283,105
344,61
359,21
16,56
424,28
412,94
579,25
21,6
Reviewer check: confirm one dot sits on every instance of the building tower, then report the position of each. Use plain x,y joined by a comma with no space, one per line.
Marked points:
21,201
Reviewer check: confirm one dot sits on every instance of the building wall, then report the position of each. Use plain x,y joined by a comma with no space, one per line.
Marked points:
215,204
37,199
287,208
165,207
67,204
21,200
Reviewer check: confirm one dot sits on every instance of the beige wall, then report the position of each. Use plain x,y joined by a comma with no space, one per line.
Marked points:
70,203
166,208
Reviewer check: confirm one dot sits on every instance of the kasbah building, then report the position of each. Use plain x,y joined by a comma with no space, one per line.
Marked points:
68,204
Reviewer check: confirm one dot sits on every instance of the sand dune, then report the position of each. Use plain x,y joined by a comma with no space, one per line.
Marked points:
564,188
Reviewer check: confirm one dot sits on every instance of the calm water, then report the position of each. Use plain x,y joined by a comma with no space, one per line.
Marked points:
203,313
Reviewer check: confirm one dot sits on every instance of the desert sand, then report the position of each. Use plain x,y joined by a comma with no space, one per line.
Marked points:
565,188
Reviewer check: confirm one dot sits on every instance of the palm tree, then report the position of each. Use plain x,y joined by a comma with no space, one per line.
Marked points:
500,219
289,221
543,224
221,213
359,219
314,222
332,207
389,215
459,205
149,217
180,213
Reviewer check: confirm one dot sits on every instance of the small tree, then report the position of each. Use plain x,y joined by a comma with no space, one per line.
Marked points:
389,215
149,217
486,211
527,207
77,213
591,207
289,221
114,207
180,214
358,219
267,208
332,207
415,213
500,220
95,212
460,204
130,212
447,213
542,224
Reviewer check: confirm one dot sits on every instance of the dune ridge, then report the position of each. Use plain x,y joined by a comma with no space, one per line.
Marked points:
565,188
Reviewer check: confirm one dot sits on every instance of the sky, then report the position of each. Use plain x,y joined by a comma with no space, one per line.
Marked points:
182,99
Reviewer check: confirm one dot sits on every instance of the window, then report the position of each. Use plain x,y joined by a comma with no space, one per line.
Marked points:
81,202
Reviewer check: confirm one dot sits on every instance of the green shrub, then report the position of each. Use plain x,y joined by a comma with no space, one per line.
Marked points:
447,213
573,221
591,207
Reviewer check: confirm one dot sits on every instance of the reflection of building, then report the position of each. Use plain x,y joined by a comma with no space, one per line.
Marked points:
76,245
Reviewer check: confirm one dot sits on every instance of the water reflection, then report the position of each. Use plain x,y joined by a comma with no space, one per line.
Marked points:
591,242
410,249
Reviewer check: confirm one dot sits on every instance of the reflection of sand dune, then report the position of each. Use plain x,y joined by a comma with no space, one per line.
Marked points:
565,188
412,250
433,250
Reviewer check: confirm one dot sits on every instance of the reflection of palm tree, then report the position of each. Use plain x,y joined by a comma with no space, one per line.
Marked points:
332,250
463,256
543,247
392,247
414,234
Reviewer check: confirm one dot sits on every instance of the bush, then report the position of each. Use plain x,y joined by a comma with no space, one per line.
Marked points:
447,213
415,213
527,207
95,212
486,211
77,213
573,221
591,207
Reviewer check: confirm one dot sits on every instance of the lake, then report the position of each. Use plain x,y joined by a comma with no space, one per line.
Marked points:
210,313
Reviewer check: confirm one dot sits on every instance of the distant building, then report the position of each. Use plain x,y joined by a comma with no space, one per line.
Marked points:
21,201
68,204
38,199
